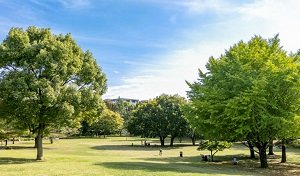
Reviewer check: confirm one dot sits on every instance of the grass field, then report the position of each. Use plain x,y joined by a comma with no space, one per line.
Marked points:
116,156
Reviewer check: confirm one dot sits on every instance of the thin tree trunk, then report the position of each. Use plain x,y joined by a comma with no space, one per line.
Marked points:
13,140
35,142
172,141
6,142
162,141
40,142
251,148
211,155
271,148
263,157
283,153
193,140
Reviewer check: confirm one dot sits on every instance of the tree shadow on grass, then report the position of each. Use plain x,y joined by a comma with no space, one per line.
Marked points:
223,159
24,147
193,164
16,147
9,160
135,147
203,168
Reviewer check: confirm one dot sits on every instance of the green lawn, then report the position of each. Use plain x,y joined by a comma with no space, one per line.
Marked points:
116,156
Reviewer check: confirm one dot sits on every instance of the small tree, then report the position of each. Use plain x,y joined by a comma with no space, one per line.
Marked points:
109,122
213,146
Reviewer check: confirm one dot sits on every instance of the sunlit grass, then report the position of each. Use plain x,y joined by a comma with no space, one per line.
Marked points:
117,156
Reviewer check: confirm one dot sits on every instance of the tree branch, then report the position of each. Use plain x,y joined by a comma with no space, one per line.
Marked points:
249,147
35,75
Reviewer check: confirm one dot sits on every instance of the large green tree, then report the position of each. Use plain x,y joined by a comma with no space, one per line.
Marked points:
160,117
247,94
170,109
145,121
47,80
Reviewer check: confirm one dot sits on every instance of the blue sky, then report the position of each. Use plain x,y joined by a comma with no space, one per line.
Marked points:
150,47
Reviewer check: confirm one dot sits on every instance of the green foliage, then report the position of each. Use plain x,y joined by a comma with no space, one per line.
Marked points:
143,122
251,92
10,129
122,107
159,117
109,122
47,80
295,143
213,146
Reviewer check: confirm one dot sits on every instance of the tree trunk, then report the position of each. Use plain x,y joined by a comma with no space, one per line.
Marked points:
263,156
35,142
252,154
271,148
193,140
283,153
162,141
6,142
211,155
172,141
13,140
40,142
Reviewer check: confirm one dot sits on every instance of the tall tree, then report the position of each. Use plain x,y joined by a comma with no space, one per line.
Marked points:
247,93
170,109
48,80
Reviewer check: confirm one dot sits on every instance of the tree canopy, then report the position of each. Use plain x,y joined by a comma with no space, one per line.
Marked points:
108,122
159,117
47,80
248,93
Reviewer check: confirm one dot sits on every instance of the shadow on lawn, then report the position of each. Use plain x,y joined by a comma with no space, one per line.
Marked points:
136,147
8,160
194,164
191,159
200,167
16,147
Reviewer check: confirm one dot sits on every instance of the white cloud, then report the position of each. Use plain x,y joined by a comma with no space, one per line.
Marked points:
264,17
175,68
75,4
